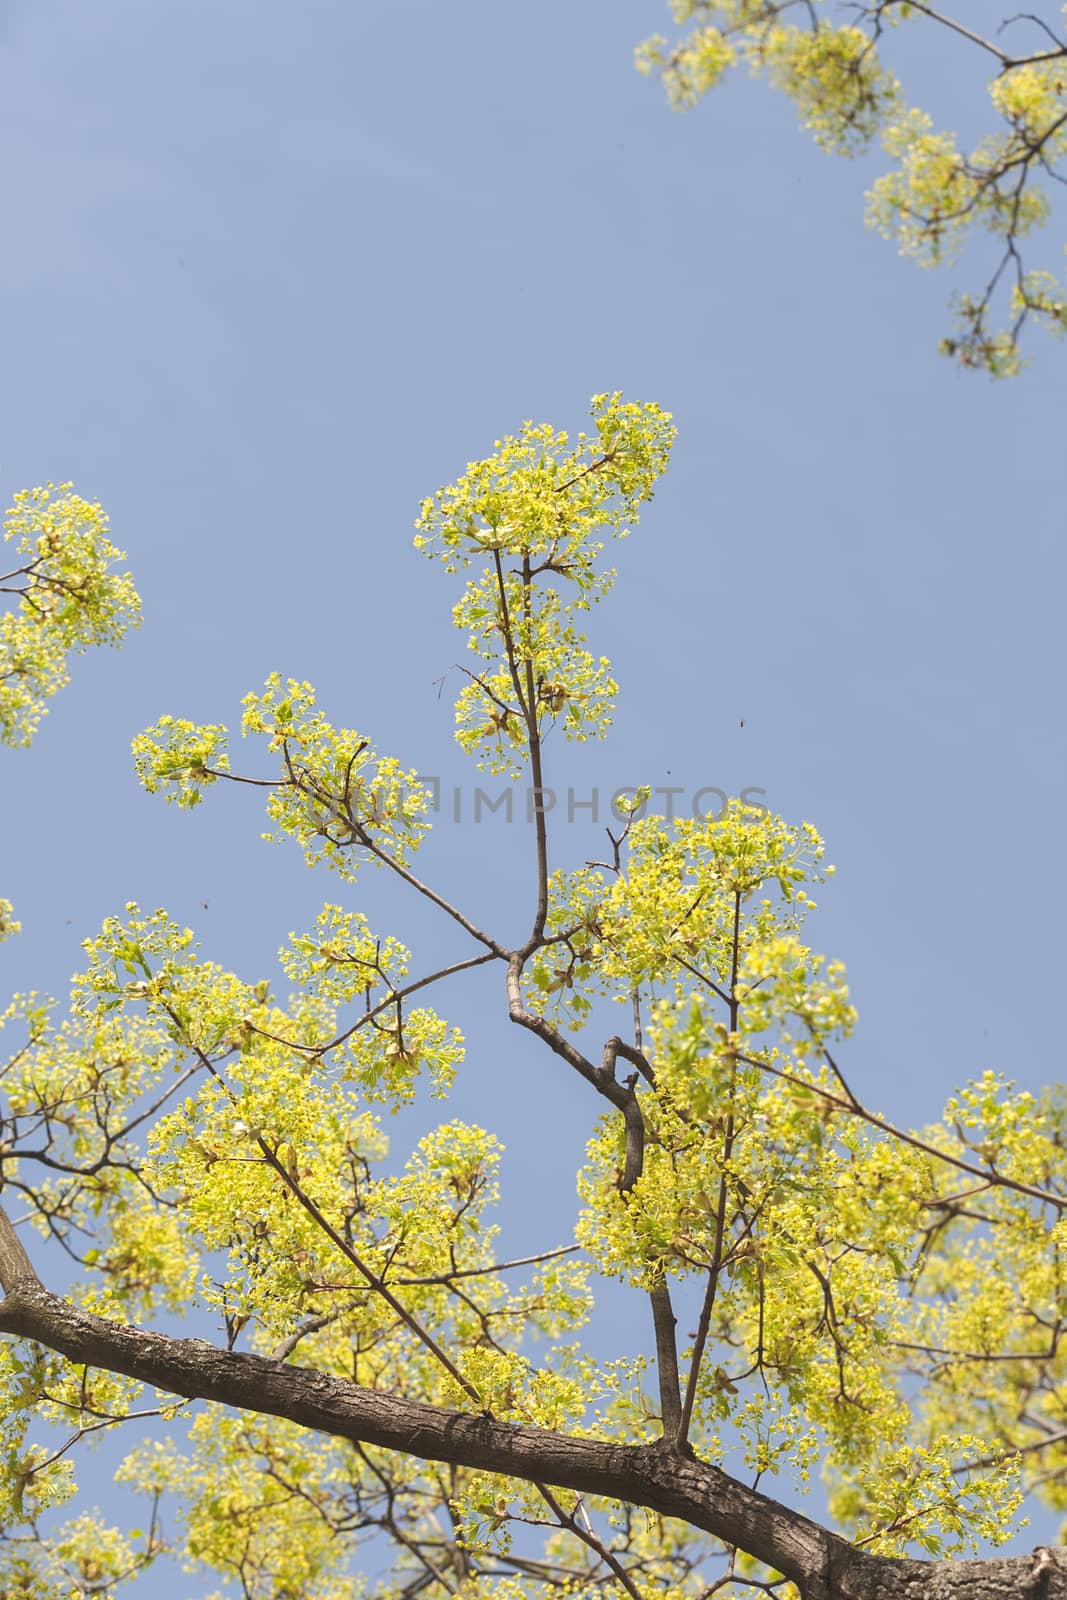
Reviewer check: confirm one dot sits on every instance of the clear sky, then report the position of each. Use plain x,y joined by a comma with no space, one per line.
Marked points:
272,274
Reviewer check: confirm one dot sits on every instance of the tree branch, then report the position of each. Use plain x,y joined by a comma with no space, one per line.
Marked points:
823,1566
645,1474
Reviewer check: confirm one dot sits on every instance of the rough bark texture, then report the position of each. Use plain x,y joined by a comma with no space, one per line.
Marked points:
824,1566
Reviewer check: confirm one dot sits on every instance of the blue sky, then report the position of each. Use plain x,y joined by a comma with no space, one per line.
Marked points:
272,275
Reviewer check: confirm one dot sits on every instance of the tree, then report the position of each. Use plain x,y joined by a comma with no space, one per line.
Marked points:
936,194
888,1303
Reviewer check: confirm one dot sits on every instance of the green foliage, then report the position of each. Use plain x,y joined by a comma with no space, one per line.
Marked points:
880,1303
935,195
67,600
542,504
333,790
8,923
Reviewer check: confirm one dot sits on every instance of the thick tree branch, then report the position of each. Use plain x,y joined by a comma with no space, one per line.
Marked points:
15,1264
659,1478
823,1565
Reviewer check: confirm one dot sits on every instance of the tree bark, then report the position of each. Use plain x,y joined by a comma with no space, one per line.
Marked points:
675,1484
